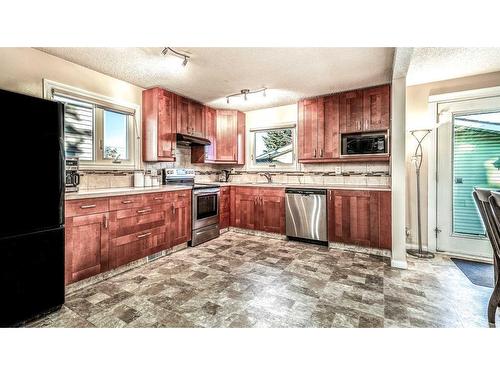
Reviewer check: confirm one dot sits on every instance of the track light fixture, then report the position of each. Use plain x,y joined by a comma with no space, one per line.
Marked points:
246,92
176,53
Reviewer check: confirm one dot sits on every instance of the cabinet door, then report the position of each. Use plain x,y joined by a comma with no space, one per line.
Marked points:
310,116
376,108
271,210
354,217
210,133
245,204
180,222
182,111
86,246
196,123
166,125
227,126
328,136
351,112
224,207
385,223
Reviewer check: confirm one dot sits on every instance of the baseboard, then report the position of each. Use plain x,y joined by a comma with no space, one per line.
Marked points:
467,257
414,246
360,249
402,264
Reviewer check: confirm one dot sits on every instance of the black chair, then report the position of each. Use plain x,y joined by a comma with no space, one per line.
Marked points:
492,213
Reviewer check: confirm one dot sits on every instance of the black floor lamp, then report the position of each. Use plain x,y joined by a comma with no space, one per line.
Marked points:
417,157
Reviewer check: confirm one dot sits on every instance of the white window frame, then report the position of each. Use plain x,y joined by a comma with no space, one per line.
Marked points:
102,103
252,166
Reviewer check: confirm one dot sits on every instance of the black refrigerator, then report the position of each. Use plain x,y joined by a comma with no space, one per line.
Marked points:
32,187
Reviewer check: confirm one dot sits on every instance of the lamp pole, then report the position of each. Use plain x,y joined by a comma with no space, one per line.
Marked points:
419,135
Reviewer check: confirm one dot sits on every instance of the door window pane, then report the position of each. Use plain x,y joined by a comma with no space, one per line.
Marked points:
115,136
274,147
476,163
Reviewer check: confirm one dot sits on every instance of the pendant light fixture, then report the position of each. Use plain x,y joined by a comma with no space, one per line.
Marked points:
246,92
185,58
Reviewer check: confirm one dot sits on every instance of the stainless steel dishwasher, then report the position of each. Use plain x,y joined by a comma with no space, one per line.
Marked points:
306,216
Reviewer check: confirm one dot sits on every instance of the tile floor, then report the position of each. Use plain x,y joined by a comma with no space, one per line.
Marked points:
240,280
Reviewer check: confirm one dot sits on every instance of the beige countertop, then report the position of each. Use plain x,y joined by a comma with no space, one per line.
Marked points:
113,192
101,193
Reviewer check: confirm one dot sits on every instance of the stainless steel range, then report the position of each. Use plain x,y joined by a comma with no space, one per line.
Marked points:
205,204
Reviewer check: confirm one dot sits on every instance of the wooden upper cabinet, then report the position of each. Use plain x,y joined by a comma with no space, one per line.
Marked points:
376,108
318,128
182,109
328,135
227,136
351,111
310,118
195,119
158,125
210,132
86,248
360,217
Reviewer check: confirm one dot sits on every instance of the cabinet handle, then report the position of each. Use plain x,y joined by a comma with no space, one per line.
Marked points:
320,152
261,201
105,222
143,211
173,210
127,202
158,198
144,235
88,206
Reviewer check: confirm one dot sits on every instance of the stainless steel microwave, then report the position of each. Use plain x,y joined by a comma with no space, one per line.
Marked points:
362,144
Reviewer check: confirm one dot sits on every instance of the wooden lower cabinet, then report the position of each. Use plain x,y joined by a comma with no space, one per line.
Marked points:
359,217
127,229
258,209
86,246
180,222
224,207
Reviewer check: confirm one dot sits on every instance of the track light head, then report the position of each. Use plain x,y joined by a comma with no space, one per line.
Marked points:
185,61
227,100
264,93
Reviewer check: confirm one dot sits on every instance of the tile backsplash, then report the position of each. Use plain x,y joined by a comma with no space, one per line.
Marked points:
352,174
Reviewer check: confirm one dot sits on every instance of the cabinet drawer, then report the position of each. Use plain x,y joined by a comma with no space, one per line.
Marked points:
178,195
129,248
135,220
86,207
126,201
156,198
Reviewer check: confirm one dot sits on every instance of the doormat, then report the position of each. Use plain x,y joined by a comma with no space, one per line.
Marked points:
478,273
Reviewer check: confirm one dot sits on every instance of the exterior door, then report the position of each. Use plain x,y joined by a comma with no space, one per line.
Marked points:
376,108
468,149
310,119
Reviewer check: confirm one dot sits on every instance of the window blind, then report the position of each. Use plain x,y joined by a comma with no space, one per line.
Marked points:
78,128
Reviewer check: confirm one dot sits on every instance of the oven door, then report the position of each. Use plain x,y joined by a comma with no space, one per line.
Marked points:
205,207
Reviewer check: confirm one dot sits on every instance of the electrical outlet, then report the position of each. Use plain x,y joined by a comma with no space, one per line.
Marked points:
338,169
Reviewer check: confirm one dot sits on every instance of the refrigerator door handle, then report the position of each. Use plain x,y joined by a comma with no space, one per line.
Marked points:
61,179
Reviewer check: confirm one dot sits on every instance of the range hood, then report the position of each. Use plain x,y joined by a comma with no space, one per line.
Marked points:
191,140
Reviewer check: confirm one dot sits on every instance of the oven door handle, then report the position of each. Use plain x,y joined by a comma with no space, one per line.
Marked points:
206,192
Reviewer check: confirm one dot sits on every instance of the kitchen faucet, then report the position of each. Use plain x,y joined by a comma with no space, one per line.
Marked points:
268,176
